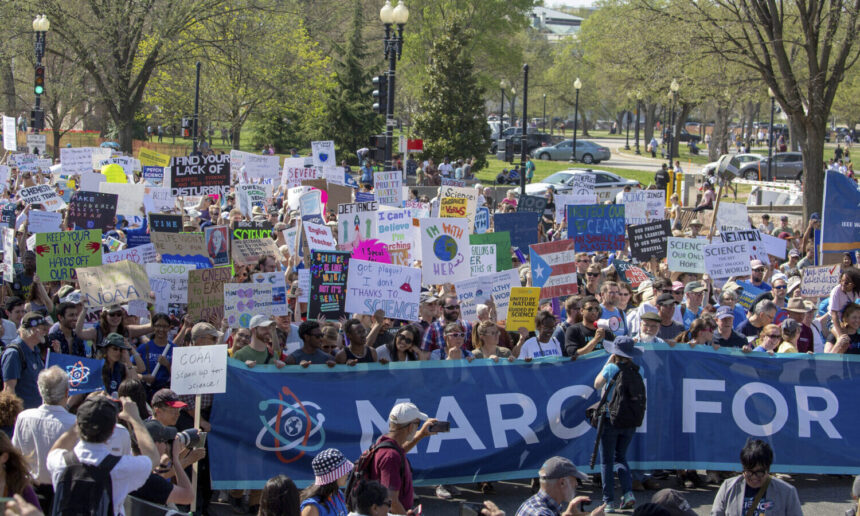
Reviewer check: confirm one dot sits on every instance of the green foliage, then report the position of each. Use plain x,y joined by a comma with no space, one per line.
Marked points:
278,126
451,116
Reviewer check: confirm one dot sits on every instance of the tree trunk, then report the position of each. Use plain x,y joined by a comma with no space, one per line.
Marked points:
719,139
813,160
584,125
237,133
648,129
795,138
680,122
619,121
8,82
57,137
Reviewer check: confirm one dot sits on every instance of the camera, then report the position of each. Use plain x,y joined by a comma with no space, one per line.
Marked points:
192,438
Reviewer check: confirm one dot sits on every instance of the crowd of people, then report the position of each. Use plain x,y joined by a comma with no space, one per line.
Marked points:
137,437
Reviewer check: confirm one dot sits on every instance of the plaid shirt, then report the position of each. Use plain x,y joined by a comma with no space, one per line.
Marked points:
541,504
434,337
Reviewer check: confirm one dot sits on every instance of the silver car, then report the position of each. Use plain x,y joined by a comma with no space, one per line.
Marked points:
606,184
587,152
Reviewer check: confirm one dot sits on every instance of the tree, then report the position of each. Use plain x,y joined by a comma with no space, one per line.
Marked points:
451,116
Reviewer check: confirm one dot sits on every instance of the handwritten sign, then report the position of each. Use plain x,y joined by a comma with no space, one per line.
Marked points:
482,220
295,171
388,187
206,293
158,199
250,196
200,175
141,254
396,230
248,252
257,166
483,259
732,215
643,206
181,248
44,195
356,221
199,369
445,250
176,277
151,158
59,254
90,210
465,193
242,301
596,227
727,260
649,239
323,153
329,270
113,283
502,241
375,286
629,273
39,221
453,207
319,237
523,308
372,251
819,281
583,183
686,254
480,289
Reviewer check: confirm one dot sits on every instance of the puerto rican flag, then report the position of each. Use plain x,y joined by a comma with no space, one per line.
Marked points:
553,266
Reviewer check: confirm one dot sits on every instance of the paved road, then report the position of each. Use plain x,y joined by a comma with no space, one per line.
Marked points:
820,495
642,162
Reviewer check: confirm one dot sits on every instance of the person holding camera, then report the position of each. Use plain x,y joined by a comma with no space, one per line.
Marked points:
166,407
557,495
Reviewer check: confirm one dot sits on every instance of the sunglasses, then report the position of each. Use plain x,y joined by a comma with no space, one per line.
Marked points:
593,274
405,339
591,309
758,270
114,314
455,335
755,472
781,287
452,307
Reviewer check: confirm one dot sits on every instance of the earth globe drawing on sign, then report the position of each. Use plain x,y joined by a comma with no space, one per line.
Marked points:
445,248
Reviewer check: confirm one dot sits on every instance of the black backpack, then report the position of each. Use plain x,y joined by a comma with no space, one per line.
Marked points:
84,489
627,408
361,471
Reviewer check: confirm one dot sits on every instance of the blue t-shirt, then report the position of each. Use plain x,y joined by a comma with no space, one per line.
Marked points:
608,373
335,506
690,316
617,321
26,387
150,352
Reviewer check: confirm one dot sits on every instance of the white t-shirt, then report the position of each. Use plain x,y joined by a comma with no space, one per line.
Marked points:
532,348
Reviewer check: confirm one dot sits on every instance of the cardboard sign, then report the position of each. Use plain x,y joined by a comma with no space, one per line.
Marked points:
39,221
256,166
727,260
629,273
76,160
647,240
375,286
480,289
162,223
199,369
141,254
319,237
251,229
242,301
773,245
396,230
328,271
151,158
502,241
445,250
44,195
522,228
157,199
59,254
532,204
250,196
388,187
483,259
356,221
756,246
523,308
482,220
731,216
323,153
129,197
295,171
113,284
596,227
200,175
37,143
466,193
91,210
181,248
248,252
686,254
175,276
217,245
644,206
206,293
453,207
583,183
819,281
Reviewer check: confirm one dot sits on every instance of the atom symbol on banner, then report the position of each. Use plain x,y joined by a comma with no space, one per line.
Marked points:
78,374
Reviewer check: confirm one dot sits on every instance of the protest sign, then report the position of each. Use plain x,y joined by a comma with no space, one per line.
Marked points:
37,143
482,220
125,163
164,223
727,259
583,183
114,244
199,369
819,281
458,183
303,286
217,245
460,192
250,196
84,373
247,252
522,228
502,241
532,204
480,289
251,229
483,259
186,248
242,301
649,239
200,175
10,134
445,250
334,175
643,206
76,160
59,254
129,197
256,166
295,171
372,251
319,237
455,207
90,181
157,199
747,294
596,227
323,153
175,276
356,221
206,293
44,195
90,210
522,308
113,284
756,246
773,245
311,206
337,195
113,173
8,254
686,254
629,273
153,175
151,158
396,230
4,177
39,221
553,266
97,154
419,209
373,286
732,215
329,270
141,254
388,187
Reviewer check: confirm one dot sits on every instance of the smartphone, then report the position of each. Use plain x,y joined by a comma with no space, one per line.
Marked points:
440,426
470,508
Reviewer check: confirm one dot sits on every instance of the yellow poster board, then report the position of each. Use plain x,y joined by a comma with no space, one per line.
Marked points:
150,158
522,308
453,207
114,173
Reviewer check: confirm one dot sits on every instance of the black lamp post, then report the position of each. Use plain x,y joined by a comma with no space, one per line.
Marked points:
673,91
627,119
523,146
195,121
543,123
638,103
577,85
770,133
393,46
503,85
41,25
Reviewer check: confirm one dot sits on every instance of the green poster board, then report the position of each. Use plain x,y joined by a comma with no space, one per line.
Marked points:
59,254
502,241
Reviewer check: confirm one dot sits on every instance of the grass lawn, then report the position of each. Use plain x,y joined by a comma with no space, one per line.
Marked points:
545,168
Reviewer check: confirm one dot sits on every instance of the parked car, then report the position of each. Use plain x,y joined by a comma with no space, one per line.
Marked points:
685,136
606,184
786,165
534,140
742,158
586,152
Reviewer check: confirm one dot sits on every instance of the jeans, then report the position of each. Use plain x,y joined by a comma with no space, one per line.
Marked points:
613,448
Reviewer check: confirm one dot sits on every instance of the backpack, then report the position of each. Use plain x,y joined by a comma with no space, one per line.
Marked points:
84,489
627,408
361,471
21,358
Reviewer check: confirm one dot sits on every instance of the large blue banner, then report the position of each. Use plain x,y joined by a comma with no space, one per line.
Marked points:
507,418
840,224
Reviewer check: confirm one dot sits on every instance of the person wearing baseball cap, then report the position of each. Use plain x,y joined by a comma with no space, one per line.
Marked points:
158,489
673,502
691,308
22,360
726,336
669,328
262,349
166,407
757,277
558,481
797,309
331,470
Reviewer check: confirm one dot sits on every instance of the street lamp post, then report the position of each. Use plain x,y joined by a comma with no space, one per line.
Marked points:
543,122
638,102
41,26
673,91
577,84
513,98
523,146
770,132
393,46
195,121
627,119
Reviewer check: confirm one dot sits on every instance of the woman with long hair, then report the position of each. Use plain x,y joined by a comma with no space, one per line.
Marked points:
135,390
280,498
485,341
110,321
323,497
406,346
844,294
790,334
769,338
14,473
701,333
114,350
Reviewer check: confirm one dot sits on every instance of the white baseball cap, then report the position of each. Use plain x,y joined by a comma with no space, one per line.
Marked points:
404,413
260,320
